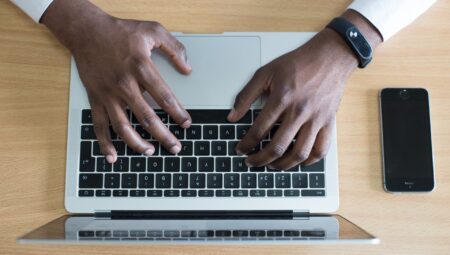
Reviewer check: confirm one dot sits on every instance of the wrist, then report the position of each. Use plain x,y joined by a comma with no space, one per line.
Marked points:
72,21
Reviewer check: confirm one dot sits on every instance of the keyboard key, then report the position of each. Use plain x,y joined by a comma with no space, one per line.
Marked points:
291,233
163,116
240,233
291,193
231,181
137,233
85,193
265,181
138,164
218,148
240,193
120,147
85,233
180,181
241,131
206,193
131,152
188,233
316,167
248,181
194,132
274,193
239,164
146,181
293,169
103,193
189,164
223,193
156,145
87,132
103,165
223,164
257,169
215,116
299,181
171,193
223,233
201,148
206,164
227,132
163,181
137,193
214,181
86,116
112,133
232,148
87,162
90,181
129,181
197,181
96,149
165,152
103,233
258,233
171,164
186,148
274,233
257,193
177,131
120,193
154,164
189,193
154,193
121,165
142,132
112,180
282,180
210,132
313,193
316,180
313,233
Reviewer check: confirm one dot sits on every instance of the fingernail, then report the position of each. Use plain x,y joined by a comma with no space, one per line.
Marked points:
110,159
238,152
175,149
149,152
186,124
248,164
231,113
270,167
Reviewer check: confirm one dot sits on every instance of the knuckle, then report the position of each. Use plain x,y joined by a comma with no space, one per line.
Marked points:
157,27
277,150
167,99
119,127
139,64
284,98
319,153
180,48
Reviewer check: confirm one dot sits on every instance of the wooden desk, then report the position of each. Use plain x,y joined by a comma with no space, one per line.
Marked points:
34,80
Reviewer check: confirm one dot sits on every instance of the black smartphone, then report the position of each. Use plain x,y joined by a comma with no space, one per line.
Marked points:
406,140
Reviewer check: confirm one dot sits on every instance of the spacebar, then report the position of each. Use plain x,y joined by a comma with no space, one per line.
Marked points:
215,116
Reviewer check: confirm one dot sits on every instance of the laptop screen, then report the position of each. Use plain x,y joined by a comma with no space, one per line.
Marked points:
306,230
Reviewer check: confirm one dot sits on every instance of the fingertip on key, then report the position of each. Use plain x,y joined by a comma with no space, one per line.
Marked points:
175,149
149,152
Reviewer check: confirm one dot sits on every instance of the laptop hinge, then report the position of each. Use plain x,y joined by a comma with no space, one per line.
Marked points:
211,214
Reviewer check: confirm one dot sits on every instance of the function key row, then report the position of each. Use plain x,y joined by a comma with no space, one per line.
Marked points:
216,116
200,181
203,193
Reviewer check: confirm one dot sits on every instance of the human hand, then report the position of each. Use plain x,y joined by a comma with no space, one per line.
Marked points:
113,60
304,90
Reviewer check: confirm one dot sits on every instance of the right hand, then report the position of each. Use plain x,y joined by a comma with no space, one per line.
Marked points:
113,60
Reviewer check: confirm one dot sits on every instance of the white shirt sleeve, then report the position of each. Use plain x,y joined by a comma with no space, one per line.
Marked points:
34,8
390,16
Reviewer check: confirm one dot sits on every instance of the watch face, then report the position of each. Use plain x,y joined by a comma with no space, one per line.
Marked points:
359,43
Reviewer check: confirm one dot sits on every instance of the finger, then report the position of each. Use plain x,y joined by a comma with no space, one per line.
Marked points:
321,145
153,124
101,128
123,128
148,76
173,48
254,88
279,144
261,126
301,149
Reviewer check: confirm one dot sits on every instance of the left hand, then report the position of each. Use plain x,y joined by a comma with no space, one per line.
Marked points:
304,89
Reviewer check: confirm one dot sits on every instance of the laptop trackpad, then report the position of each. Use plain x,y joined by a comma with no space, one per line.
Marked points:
221,66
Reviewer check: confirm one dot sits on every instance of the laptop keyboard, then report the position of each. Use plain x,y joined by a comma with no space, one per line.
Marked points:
206,166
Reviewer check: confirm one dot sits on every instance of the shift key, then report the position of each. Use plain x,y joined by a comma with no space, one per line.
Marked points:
91,181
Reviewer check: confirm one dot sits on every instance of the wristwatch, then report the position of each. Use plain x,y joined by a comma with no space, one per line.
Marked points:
354,39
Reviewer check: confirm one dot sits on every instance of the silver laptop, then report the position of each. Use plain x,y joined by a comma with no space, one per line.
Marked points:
206,188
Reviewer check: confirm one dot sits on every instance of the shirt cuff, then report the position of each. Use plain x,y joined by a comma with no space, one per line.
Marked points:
33,8
390,16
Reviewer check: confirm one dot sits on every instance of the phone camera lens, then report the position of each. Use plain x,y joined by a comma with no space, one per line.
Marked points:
404,94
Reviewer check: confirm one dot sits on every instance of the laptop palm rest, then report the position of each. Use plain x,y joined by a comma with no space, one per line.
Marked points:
221,66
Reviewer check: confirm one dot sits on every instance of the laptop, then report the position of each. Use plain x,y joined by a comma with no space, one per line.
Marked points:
205,193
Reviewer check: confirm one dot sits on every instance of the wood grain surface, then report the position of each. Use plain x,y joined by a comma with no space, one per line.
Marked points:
34,82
